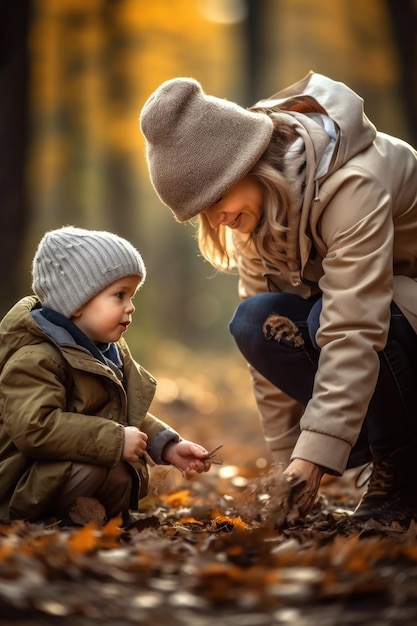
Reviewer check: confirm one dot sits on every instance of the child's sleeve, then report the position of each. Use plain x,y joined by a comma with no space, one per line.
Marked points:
159,435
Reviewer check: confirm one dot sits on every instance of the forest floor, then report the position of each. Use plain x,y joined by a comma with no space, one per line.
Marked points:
215,547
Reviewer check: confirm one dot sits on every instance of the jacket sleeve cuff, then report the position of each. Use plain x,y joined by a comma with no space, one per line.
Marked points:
158,444
329,452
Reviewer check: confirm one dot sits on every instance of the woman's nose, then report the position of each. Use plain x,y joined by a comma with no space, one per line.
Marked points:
214,216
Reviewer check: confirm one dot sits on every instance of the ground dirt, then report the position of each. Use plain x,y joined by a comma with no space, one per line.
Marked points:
216,547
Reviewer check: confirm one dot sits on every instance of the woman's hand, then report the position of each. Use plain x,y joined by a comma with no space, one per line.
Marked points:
299,472
187,456
135,444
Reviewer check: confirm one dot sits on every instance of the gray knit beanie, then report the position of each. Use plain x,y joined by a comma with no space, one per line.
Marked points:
198,146
72,265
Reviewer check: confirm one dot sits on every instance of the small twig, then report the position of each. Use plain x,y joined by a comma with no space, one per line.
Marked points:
210,456
213,452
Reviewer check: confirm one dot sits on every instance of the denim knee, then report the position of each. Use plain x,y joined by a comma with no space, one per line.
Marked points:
251,314
242,320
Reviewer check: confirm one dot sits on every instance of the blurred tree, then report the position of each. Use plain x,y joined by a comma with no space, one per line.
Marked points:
403,18
14,75
81,99
253,28
92,66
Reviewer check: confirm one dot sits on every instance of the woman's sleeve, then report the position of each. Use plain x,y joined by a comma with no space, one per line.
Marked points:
357,288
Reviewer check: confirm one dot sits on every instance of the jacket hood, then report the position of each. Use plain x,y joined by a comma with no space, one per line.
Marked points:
355,133
342,105
18,329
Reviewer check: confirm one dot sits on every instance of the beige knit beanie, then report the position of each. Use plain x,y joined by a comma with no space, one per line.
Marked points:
72,265
198,146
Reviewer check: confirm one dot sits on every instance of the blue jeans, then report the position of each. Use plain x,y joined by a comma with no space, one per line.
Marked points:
391,419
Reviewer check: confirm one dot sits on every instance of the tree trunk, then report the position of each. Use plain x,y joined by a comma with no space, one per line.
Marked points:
254,36
14,22
403,18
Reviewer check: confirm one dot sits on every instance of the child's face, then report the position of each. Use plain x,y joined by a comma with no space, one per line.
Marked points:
240,208
106,316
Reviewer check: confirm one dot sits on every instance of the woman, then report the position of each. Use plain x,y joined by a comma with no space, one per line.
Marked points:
318,211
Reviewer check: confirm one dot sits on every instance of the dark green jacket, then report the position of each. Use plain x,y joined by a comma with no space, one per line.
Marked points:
58,405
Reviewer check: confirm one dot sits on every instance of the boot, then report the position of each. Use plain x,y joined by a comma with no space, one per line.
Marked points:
391,495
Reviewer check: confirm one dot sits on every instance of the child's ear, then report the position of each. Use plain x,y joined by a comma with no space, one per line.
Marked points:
77,313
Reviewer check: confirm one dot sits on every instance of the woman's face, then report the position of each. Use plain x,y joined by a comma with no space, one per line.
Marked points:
240,208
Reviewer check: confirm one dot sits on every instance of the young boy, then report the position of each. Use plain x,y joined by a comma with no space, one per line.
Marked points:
74,404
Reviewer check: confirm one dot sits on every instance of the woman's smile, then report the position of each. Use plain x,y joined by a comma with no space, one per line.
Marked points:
234,223
240,208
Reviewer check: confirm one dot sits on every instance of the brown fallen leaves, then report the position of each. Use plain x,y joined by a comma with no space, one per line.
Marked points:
207,546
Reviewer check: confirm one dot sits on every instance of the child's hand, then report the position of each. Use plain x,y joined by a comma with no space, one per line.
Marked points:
187,456
135,444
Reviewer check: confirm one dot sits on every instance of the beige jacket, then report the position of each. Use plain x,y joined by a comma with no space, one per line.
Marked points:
358,246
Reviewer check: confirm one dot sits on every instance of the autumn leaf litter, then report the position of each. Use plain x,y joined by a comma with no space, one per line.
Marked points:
205,546
227,544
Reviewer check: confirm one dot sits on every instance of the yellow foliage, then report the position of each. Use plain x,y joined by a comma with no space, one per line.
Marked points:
189,520
112,528
6,550
85,539
237,522
66,7
178,498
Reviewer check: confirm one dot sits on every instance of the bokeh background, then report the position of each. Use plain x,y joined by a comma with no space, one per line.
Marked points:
74,75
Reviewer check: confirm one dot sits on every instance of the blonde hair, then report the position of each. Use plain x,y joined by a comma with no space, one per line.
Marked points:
221,246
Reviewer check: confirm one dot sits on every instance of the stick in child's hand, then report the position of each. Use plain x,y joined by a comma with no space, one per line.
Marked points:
210,456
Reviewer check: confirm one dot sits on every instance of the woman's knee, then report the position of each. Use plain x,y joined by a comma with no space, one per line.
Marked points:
251,314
